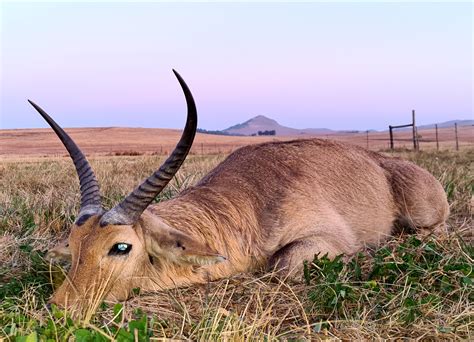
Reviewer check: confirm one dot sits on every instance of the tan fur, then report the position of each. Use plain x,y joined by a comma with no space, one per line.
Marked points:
271,205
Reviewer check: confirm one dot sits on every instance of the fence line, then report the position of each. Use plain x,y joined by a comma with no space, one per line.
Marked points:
429,138
454,137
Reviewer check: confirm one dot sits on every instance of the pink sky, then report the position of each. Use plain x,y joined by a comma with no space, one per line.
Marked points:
333,65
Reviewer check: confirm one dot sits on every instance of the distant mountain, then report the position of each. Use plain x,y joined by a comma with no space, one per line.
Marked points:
447,124
262,123
213,132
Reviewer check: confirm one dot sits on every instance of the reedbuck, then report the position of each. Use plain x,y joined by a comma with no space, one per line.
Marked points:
271,205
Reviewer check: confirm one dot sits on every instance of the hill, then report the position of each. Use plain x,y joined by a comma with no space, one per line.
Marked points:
446,124
263,123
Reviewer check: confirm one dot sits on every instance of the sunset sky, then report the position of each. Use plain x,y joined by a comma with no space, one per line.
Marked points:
332,65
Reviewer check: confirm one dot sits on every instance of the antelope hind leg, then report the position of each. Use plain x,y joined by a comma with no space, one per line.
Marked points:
288,261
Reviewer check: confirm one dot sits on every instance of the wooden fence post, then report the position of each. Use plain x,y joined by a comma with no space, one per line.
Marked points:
417,139
437,141
391,137
415,145
456,134
367,139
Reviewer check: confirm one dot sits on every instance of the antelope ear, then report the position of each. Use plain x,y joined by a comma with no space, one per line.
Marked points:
161,240
59,253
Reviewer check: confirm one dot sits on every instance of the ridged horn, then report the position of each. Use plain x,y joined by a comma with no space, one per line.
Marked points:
129,210
90,194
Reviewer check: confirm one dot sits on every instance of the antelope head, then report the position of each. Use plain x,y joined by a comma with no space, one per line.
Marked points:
112,252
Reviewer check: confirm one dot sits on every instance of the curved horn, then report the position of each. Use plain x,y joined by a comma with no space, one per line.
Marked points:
129,210
90,194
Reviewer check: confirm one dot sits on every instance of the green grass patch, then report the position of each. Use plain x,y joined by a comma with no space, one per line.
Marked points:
401,282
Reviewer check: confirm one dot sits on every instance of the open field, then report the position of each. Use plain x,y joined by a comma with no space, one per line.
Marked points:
413,286
134,141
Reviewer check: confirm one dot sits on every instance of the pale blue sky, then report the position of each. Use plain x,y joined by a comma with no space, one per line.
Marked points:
334,65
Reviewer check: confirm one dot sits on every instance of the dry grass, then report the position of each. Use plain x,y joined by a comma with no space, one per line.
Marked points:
110,141
38,201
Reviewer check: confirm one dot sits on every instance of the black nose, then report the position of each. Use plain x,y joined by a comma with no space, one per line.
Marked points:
48,306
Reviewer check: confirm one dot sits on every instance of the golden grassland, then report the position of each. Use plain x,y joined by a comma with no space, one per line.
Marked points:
412,287
109,141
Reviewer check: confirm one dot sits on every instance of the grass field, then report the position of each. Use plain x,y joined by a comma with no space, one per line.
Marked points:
110,141
413,286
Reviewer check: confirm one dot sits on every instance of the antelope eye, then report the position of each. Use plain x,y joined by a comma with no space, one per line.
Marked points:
120,248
